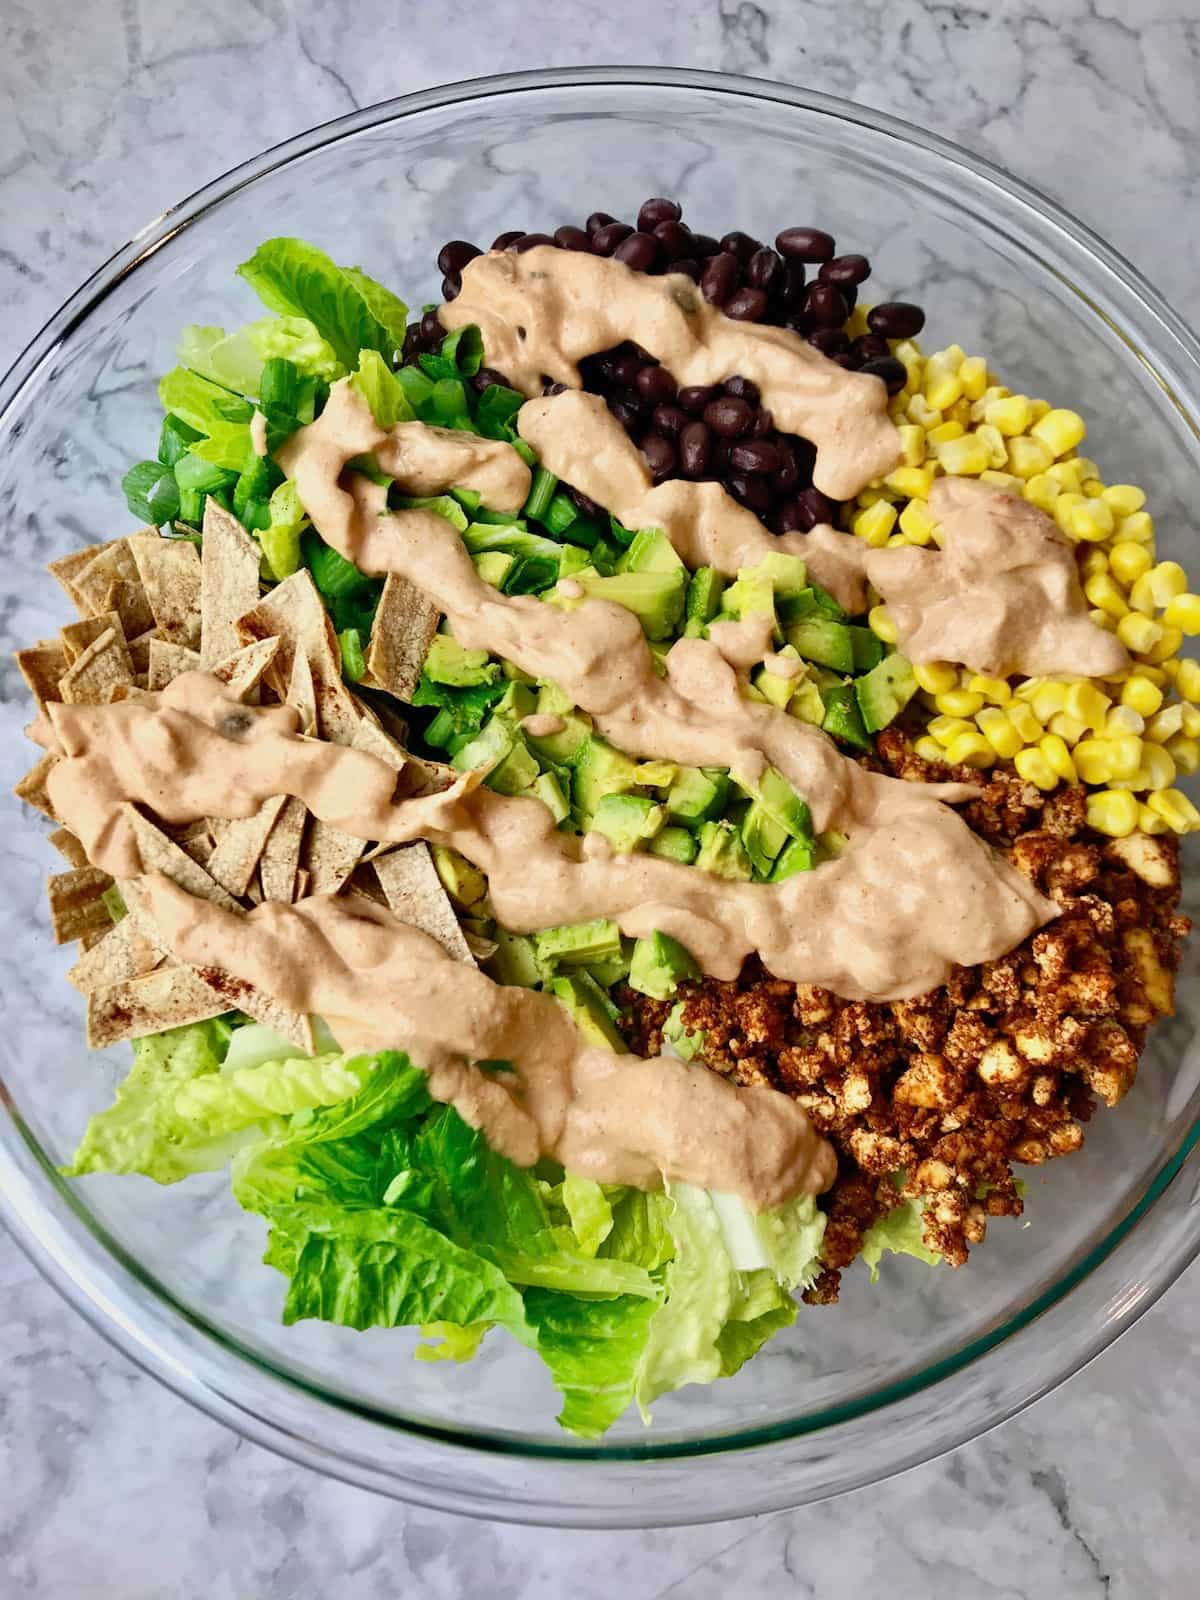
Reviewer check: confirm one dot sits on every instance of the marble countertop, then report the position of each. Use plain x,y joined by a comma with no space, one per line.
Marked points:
113,1486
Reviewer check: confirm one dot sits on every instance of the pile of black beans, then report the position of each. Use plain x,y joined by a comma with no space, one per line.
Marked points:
716,432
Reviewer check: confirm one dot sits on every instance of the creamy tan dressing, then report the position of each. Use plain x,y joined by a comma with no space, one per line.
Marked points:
258,433
781,666
541,312
427,460
615,1118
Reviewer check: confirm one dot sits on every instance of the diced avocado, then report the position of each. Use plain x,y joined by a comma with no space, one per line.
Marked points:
884,692
655,598
658,964
827,605
627,819
798,855
787,573
805,701
763,838
493,566
517,772
488,748
842,717
753,693
722,852
657,774
703,599
819,639
687,1044
514,960
697,795
650,551
562,748
584,999
554,701
867,647
674,844
462,881
546,788
611,971
775,689
600,770
753,595
573,561
779,801
577,944
447,662
516,702
795,607
515,675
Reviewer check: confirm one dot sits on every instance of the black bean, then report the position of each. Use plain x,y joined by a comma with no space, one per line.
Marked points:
451,287
705,245
849,293
814,508
764,270
829,341
805,244
670,420
787,518
750,490
485,377
572,238
729,416
686,265
657,210
721,455
659,454
720,278
655,384
845,270
454,255
824,305
763,425
787,477
695,447
747,305
628,413
890,370
849,360
674,239
870,346
625,369
598,220
432,331
554,388
530,241
756,455
694,398
639,251
503,240
741,389
794,279
896,319
412,343
586,506
606,239
740,245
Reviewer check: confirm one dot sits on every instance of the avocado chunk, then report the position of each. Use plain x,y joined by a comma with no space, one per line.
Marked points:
686,1043
658,964
819,639
655,598
674,844
462,881
577,944
487,749
516,772
546,788
493,566
514,961
884,692
775,689
703,599
448,662
651,551
798,855
788,574
516,702
752,595
696,795
588,1005
763,838
806,702
657,774
599,770
627,819
722,852
842,717
779,801
795,607
562,747
867,647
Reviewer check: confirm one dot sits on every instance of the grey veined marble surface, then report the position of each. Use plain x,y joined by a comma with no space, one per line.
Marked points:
109,1485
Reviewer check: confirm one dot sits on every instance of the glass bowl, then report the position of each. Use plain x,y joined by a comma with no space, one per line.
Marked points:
896,1372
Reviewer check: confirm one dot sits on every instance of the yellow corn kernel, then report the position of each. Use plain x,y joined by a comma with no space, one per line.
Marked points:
999,731
1138,633
944,431
1187,680
1150,821
970,750
1125,755
973,376
946,729
875,523
1027,457
958,703
1191,722
896,541
911,482
935,677
1176,810
922,413
1166,647
881,624
916,523
1010,417
1156,770
960,411
1113,812
1166,723
1125,498
1067,727
1032,765
1183,611
1137,528
1007,481
1103,592
1093,760
1056,753
1121,720
1049,700
964,458
1067,475
1101,619
1042,490
905,350
1060,431
1141,597
952,357
1091,520
1092,563
1087,703
1160,675
1023,719
929,749
1088,470
912,443
1185,753
1063,510
1166,582
1028,687
1128,561
997,449
871,495
1093,488
995,690
941,387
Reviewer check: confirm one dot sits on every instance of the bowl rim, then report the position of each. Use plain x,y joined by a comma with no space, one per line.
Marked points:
48,1245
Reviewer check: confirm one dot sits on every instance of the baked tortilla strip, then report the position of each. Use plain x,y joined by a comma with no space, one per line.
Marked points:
42,666
65,842
139,655
243,671
88,574
302,693
170,571
102,667
229,563
123,953
289,612
76,636
330,856
404,626
281,854
196,840
76,903
167,661
32,787
170,997
233,861
161,854
128,599
414,891
238,995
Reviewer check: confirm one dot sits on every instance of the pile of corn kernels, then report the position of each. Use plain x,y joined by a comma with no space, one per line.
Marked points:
1128,737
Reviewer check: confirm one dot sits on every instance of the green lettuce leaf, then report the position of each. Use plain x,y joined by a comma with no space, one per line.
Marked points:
281,539
297,279
899,1232
220,1104
204,405
294,339
590,1211
594,1350
452,1342
229,359
388,309
382,391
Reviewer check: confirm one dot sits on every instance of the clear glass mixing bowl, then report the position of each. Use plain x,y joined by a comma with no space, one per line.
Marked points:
895,1373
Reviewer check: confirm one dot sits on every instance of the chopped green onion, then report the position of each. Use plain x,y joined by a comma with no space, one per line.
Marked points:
416,386
333,575
560,513
530,575
174,439
191,472
497,407
540,494
470,499
448,402
526,452
353,664
279,384
151,492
